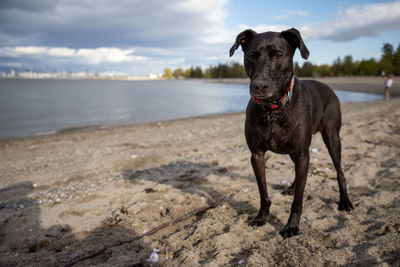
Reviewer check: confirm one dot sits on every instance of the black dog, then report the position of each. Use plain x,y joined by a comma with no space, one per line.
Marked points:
283,113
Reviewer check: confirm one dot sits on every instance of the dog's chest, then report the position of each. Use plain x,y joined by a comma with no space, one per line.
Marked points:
279,138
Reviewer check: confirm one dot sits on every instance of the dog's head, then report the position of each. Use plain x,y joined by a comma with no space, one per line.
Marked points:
268,60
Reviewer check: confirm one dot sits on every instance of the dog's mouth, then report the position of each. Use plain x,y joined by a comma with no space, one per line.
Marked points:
263,98
269,94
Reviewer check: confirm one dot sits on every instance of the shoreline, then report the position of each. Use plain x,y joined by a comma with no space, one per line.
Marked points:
100,127
372,85
357,84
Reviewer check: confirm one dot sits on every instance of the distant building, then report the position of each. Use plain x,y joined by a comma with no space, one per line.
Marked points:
113,75
153,76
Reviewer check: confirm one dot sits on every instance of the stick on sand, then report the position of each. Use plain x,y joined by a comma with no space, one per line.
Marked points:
152,231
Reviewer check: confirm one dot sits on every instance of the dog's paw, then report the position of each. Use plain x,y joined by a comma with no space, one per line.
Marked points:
345,204
289,231
288,191
260,220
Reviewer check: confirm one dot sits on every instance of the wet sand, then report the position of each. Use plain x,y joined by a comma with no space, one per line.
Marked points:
66,194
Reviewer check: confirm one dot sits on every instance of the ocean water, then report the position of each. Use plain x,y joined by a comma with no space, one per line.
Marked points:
31,107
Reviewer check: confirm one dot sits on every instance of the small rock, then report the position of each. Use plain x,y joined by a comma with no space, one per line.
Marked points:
315,150
149,190
123,210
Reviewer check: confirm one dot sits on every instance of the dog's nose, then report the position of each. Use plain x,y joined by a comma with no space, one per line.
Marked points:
261,89
260,85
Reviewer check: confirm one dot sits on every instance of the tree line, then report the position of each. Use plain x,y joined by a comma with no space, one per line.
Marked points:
233,70
346,66
388,63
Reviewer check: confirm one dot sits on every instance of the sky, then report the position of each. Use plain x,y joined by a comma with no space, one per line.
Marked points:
139,37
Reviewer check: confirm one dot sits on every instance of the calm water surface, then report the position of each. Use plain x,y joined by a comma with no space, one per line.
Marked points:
29,107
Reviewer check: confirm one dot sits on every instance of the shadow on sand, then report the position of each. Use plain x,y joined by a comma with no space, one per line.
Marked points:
24,241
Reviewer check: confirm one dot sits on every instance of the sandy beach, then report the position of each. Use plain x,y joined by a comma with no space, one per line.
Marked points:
67,194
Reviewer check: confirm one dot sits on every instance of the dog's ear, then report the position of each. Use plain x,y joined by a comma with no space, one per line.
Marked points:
242,39
293,37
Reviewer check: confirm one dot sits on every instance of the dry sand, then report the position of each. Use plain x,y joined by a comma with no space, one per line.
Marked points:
64,195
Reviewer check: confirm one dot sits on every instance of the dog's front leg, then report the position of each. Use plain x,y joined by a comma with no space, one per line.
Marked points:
258,163
301,161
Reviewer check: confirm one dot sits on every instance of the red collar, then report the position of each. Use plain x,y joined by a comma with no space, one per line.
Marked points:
279,103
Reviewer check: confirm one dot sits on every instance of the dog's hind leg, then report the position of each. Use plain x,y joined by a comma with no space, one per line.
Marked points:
290,190
330,135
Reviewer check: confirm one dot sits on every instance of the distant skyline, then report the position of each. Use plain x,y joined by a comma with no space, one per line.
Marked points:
142,37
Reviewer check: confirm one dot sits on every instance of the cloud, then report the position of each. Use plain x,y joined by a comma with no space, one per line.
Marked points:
264,27
96,56
108,23
350,24
153,32
108,55
356,22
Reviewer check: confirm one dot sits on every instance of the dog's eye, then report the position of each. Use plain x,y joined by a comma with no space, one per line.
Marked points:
252,57
278,55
